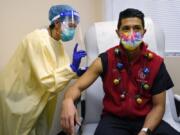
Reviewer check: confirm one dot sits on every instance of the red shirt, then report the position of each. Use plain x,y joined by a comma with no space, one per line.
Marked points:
131,78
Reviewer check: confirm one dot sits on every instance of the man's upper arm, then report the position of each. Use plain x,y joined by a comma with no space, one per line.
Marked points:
162,81
159,99
90,75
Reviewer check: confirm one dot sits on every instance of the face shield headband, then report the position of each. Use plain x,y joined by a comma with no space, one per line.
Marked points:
68,16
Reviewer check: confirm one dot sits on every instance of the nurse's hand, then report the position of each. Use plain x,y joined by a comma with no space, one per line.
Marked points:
69,117
81,71
77,56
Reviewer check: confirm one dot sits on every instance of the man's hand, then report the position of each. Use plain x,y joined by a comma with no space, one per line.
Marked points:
142,133
69,117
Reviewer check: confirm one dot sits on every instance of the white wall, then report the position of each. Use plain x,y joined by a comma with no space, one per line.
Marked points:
173,66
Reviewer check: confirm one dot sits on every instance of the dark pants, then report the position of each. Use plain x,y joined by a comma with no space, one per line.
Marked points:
112,125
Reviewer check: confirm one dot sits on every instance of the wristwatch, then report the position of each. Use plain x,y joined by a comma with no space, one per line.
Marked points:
147,131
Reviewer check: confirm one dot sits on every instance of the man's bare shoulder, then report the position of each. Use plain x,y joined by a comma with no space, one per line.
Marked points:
96,66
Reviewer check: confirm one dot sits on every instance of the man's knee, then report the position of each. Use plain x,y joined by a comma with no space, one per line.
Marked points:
165,129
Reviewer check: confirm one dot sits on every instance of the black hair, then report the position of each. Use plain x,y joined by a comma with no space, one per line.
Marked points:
130,12
51,26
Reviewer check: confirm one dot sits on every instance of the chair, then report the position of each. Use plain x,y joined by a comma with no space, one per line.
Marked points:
99,38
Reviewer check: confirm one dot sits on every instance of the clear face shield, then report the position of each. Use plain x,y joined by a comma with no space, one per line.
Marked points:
71,33
69,22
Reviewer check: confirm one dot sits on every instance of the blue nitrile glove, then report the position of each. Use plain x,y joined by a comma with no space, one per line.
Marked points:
81,71
77,56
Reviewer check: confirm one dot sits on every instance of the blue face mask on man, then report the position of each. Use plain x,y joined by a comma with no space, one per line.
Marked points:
67,33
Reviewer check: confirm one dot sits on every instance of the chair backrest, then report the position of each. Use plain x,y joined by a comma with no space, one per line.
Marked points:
100,37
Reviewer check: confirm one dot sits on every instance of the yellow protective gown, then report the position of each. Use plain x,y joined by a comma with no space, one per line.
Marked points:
29,84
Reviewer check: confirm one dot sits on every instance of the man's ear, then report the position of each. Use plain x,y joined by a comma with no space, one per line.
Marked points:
117,32
57,24
144,31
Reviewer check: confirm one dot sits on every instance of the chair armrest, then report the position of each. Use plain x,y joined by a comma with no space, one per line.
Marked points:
80,105
177,103
173,109
177,97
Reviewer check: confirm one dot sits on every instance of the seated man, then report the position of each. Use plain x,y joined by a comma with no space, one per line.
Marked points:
134,80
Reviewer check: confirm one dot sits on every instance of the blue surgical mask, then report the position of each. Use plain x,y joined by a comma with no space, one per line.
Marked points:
67,34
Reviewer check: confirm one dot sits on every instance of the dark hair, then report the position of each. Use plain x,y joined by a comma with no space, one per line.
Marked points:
130,12
51,26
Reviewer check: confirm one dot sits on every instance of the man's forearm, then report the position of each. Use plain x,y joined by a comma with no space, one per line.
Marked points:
73,93
154,117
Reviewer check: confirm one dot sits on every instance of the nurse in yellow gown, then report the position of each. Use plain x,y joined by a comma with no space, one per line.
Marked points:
37,72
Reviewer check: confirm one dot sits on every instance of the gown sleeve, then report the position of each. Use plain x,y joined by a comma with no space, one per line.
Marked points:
50,77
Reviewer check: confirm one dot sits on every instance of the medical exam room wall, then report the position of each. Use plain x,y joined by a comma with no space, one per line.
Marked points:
19,17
